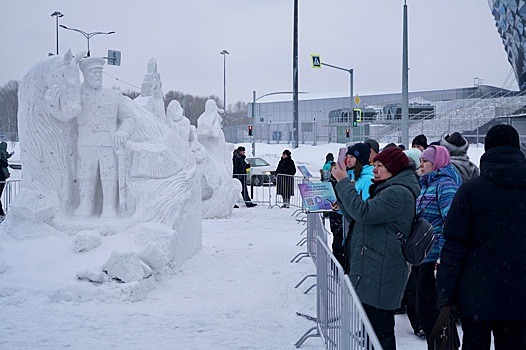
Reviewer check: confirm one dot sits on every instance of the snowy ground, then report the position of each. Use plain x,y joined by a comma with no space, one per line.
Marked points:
236,293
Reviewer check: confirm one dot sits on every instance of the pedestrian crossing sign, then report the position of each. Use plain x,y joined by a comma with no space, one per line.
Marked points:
316,61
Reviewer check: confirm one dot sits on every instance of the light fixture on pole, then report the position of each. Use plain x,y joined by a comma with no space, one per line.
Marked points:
87,35
57,14
224,53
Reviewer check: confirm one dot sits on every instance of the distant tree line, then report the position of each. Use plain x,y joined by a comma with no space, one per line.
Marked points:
193,106
9,110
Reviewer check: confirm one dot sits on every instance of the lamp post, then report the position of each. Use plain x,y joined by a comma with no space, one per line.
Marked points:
57,14
224,53
86,35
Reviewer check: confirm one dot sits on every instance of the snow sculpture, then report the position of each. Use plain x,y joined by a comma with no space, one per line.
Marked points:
94,160
219,190
176,119
152,97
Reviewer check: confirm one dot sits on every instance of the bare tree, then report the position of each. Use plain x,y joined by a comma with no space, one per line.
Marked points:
9,108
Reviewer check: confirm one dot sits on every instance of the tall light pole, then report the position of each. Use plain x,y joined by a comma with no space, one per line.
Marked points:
405,84
57,14
295,121
86,35
224,53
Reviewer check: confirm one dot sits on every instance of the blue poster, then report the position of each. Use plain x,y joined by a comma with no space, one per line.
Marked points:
317,196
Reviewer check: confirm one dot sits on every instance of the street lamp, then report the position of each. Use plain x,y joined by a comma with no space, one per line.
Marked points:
57,14
86,35
224,53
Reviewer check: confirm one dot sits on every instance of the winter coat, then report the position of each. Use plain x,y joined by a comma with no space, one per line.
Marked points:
437,190
364,182
240,165
326,171
482,268
377,267
460,160
285,186
4,171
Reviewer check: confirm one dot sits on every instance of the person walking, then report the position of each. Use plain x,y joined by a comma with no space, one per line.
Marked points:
482,269
377,267
286,168
458,145
240,173
439,183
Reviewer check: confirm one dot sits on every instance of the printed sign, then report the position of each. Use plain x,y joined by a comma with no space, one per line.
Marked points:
317,196
304,171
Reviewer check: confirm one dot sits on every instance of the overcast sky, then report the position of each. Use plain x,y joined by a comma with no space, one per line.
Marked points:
450,43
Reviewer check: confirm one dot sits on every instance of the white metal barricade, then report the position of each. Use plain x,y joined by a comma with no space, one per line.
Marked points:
260,191
287,190
341,320
11,189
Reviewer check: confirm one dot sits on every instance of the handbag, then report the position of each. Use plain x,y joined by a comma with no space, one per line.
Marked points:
444,335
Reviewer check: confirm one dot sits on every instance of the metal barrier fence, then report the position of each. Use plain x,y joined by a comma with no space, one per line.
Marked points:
287,190
260,188
11,189
341,321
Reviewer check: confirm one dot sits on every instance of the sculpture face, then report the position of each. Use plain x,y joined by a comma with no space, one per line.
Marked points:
93,78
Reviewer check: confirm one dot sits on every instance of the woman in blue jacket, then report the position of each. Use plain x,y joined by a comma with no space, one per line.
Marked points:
357,159
438,185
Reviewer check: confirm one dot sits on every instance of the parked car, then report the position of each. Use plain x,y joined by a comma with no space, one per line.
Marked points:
261,172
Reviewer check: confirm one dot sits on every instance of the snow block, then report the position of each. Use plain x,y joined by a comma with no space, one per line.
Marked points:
154,256
86,241
126,267
92,275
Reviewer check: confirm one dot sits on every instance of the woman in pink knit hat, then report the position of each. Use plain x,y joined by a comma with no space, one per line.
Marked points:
438,184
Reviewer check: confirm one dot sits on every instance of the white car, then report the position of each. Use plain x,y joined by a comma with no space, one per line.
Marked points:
261,172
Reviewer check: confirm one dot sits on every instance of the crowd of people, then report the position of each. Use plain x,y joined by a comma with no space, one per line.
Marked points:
478,216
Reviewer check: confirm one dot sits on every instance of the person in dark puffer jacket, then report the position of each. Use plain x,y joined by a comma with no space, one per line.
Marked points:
377,267
482,269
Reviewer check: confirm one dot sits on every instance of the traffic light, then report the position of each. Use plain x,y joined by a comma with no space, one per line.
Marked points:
356,117
347,132
250,130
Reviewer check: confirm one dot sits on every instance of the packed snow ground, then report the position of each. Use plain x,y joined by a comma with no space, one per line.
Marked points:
236,293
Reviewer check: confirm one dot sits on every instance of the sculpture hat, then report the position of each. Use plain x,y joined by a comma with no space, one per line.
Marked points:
88,63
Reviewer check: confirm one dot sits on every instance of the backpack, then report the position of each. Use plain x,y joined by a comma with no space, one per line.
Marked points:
420,241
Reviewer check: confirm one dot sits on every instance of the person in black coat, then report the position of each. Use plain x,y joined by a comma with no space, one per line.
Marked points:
240,173
285,188
482,268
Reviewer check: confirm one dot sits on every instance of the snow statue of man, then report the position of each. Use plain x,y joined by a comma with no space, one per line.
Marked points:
152,97
177,121
221,191
104,126
98,164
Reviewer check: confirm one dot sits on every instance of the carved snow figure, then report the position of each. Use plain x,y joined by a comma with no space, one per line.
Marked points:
220,191
152,97
49,149
176,119
90,151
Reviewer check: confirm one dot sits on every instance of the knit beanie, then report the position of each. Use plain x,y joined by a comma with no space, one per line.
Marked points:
373,144
394,159
414,155
420,140
438,155
360,151
456,139
502,135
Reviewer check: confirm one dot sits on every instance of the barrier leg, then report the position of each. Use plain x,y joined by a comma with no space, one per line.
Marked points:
303,280
299,256
307,335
